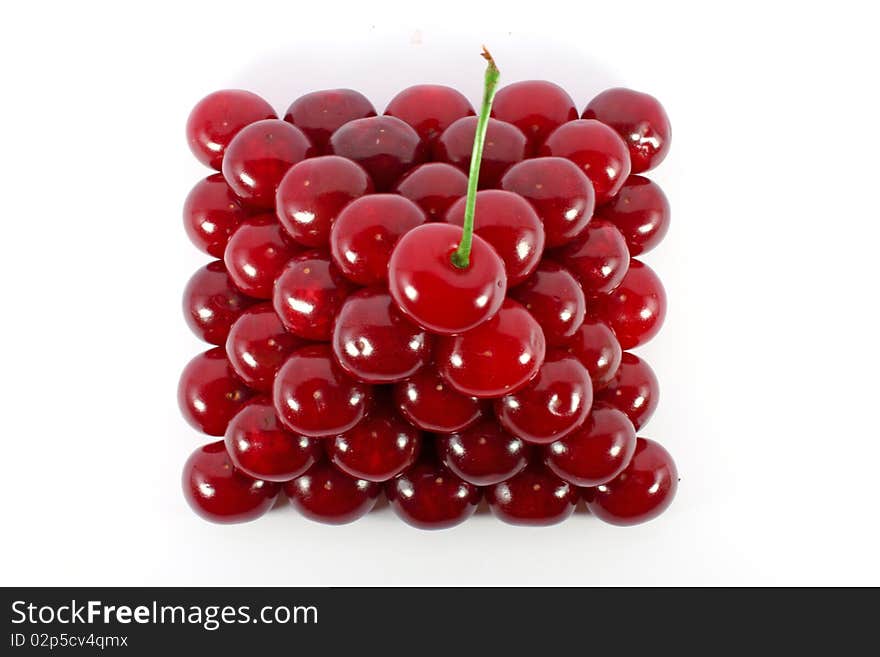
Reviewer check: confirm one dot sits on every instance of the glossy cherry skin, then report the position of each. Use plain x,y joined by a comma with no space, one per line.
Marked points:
374,342
365,233
639,119
312,194
429,496
559,191
324,494
321,113
596,452
258,157
555,298
636,308
383,145
429,403
260,446
483,454
429,108
643,491
507,222
535,496
505,145
496,358
209,394
633,390
314,397
536,107
256,254
597,150
598,259
640,211
212,303
258,345
434,187
595,346
217,491
308,294
436,294
218,117
211,214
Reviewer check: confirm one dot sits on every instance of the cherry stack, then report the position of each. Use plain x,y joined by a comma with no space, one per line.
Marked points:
432,304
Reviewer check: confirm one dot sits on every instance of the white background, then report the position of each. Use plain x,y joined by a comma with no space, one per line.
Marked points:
768,362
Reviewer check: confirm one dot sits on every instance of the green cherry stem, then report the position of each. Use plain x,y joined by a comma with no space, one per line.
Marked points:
461,258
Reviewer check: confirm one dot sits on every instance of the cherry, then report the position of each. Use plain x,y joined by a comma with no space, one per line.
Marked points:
433,187
536,107
209,394
640,119
365,233
497,357
218,117
595,346
258,345
321,113
505,146
261,447
483,454
211,214
325,494
535,496
429,108
559,191
308,294
315,397
640,212
211,303
635,310
256,254
429,496
643,491
383,145
431,404
597,150
508,223
217,491
555,299
633,390
596,452
598,259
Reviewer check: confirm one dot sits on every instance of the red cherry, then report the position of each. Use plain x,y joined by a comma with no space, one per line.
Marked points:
324,494
429,496
209,394
321,113
505,145
315,397
211,303
635,310
598,258
640,212
597,150
536,107
261,447
258,345
365,233
643,491
256,254
308,294
429,108
218,492
435,293
555,299
433,187
596,452
483,454
507,222
640,119
431,404
551,405
559,191
497,357
535,496
633,390
218,117
383,145
211,214
595,346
